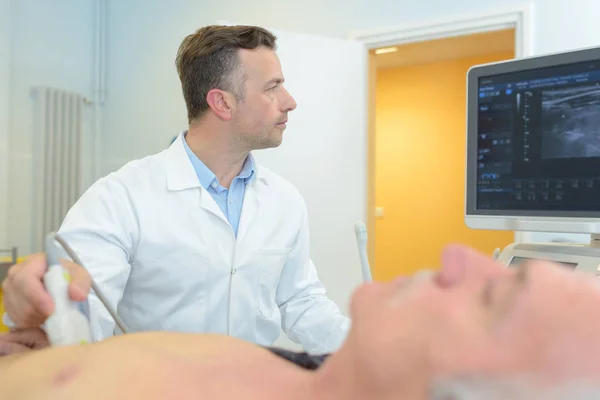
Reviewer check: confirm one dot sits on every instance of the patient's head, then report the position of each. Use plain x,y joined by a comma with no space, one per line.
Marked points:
478,321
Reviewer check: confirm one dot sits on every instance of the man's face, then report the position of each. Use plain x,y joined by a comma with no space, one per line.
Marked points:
260,119
475,317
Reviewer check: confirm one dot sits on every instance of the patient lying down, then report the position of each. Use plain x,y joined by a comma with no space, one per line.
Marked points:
473,330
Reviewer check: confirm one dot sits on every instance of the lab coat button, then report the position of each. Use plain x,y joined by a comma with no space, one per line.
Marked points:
233,271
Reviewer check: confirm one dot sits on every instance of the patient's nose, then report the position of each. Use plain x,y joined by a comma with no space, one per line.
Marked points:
450,274
460,264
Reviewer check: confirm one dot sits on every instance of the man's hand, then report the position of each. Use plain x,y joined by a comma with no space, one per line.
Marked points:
26,300
22,340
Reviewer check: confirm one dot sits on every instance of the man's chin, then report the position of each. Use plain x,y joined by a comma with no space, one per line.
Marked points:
277,143
273,142
267,141
266,146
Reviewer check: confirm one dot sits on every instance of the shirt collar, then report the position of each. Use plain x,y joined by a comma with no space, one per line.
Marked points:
207,177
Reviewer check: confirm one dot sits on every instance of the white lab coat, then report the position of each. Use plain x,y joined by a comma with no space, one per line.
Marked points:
163,253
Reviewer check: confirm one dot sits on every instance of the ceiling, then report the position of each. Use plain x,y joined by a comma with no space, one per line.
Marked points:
477,44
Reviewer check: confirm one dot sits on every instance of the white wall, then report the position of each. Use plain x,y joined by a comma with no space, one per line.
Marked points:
564,25
4,102
51,44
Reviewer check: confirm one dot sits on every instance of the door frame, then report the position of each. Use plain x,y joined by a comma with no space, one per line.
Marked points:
518,17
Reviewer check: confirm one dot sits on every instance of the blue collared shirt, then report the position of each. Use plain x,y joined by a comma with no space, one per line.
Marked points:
230,200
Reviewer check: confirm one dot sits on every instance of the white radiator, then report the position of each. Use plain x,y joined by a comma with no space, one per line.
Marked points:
57,158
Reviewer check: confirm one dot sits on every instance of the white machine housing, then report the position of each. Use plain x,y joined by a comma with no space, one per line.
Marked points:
580,257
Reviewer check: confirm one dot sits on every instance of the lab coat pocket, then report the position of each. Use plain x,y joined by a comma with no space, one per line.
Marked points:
272,261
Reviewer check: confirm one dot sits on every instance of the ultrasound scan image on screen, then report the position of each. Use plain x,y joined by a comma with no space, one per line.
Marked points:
538,139
571,122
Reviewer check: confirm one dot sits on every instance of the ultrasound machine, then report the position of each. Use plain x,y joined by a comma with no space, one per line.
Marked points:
533,154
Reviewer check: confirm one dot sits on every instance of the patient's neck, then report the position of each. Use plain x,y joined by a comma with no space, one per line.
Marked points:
343,376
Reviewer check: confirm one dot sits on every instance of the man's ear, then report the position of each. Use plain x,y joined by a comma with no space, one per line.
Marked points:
221,103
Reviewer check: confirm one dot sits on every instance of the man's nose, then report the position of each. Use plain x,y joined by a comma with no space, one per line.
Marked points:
461,264
290,103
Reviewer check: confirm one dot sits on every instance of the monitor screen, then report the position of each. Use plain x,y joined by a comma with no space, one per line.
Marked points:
519,260
539,139
534,137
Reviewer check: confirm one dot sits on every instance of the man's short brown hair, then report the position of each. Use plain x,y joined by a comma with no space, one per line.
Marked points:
209,59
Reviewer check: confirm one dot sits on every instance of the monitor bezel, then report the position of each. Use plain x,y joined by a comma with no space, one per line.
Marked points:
499,68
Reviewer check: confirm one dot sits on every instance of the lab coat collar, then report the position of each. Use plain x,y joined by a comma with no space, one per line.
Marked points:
181,174
180,171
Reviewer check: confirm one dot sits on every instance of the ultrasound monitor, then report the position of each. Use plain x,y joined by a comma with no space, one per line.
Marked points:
533,144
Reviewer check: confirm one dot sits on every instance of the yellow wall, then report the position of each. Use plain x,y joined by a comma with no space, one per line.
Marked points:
3,328
420,166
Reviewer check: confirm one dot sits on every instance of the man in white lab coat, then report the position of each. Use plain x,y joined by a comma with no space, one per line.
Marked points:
199,237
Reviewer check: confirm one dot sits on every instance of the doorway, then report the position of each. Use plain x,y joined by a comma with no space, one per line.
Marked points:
420,149
419,246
